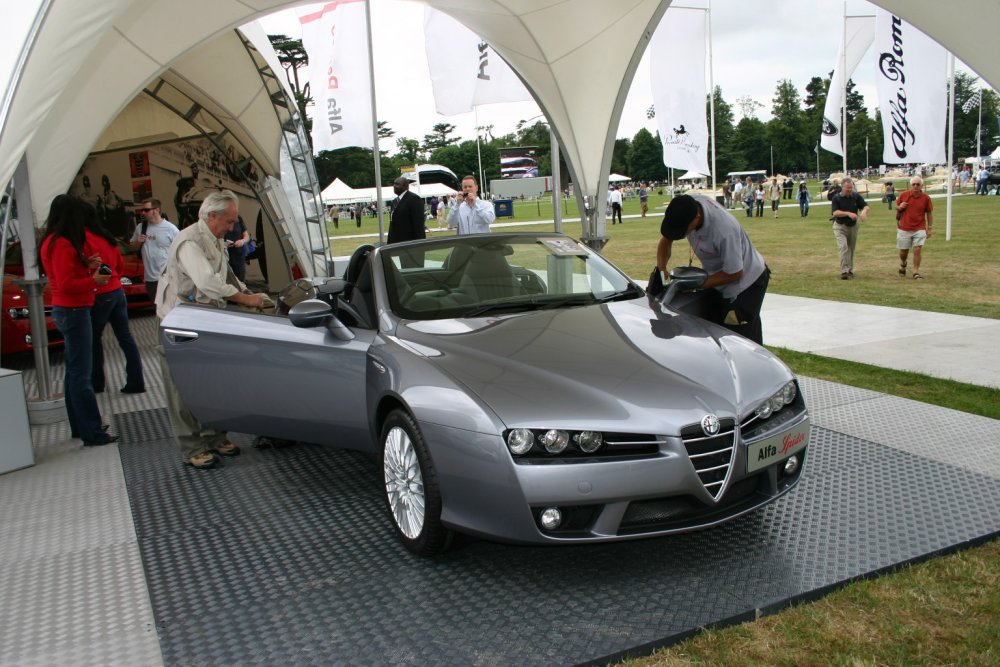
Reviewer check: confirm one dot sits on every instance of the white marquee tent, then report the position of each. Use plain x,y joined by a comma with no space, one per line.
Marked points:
67,68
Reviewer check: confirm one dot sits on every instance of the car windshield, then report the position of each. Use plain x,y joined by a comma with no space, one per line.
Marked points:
485,274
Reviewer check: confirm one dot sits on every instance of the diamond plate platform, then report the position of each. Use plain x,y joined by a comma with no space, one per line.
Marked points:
286,556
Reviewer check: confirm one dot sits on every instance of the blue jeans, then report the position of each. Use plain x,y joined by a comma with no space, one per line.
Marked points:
803,207
81,404
111,308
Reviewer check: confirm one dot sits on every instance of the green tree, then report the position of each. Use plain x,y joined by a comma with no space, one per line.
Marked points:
752,143
645,157
409,150
619,157
727,157
354,166
293,57
786,131
967,122
439,137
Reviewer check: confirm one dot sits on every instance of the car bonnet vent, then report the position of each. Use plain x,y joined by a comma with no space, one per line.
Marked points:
711,456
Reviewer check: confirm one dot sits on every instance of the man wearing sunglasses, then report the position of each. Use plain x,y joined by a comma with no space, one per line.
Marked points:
914,224
154,236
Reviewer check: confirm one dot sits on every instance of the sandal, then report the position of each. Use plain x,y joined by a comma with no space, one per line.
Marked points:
918,276
202,461
227,449
902,270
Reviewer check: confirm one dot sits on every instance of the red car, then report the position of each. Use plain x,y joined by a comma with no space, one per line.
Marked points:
15,326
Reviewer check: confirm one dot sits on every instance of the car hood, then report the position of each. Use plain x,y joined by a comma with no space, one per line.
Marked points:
625,366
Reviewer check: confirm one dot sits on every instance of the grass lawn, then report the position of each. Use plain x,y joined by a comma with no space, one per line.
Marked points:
945,611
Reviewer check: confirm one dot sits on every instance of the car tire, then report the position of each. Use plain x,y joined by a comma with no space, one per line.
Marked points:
411,495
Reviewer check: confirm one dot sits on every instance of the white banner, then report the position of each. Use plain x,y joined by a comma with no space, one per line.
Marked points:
680,96
335,36
859,32
465,71
911,74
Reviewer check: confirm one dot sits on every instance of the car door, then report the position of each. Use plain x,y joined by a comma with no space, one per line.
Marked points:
259,374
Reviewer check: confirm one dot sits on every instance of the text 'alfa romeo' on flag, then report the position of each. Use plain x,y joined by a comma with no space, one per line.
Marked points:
910,74
335,35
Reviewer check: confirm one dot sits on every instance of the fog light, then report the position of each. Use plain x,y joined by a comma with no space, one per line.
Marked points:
589,441
791,465
555,441
519,441
551,518
788,392
27,339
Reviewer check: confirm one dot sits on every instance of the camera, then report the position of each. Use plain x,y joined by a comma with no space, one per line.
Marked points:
104,270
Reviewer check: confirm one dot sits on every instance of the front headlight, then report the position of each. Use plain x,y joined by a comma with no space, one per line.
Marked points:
553,442
519,441
784,396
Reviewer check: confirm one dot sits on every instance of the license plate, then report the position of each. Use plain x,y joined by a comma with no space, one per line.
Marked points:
778,447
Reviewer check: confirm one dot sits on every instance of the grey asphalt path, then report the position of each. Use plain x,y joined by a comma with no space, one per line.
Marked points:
953,347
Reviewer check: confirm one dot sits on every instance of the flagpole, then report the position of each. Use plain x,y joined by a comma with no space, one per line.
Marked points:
479,154
979,130
711,91
951,141
843,65
376,156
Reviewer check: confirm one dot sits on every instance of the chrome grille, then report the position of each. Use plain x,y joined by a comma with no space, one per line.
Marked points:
711,456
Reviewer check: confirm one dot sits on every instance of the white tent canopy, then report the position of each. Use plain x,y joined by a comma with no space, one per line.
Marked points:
691,176
617,178
68,68
349,195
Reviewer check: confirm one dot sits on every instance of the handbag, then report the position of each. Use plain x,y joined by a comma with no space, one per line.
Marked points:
249,247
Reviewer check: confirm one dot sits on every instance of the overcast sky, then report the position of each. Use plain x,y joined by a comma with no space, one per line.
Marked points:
754,44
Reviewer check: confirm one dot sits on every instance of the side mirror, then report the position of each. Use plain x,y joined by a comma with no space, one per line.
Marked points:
310,313
682,279
314,313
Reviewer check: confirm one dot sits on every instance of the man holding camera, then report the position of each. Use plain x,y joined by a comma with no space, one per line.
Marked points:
471,215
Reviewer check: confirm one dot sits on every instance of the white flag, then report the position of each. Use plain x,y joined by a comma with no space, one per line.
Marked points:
677,80
335,36
910,76
859,33
465,71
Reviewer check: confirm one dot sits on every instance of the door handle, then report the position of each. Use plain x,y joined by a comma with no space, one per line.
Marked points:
179,336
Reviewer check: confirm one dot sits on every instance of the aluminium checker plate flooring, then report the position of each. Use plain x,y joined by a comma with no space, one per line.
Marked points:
286,556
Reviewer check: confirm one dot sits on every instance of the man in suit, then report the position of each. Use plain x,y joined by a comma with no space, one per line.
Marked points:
407,220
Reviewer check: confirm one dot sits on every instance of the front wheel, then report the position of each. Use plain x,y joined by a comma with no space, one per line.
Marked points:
411,491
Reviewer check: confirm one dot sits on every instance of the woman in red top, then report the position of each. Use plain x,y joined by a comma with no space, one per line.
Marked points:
71,262
110,306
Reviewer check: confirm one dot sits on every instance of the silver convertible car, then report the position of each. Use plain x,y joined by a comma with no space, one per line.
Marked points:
512,386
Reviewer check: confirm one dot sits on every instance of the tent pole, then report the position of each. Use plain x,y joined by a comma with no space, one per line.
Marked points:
711,92
951,140
376,156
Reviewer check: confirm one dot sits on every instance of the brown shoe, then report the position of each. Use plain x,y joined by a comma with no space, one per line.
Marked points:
203,461
227,449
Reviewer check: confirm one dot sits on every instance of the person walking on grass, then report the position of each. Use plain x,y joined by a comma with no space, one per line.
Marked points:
914,224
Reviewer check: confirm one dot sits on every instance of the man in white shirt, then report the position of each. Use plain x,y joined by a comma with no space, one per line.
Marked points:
154,236
615,200
471,215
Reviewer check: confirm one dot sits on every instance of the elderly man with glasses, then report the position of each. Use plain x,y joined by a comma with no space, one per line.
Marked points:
914,222
154,237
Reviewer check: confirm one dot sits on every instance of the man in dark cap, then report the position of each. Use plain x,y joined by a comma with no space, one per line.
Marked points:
737,275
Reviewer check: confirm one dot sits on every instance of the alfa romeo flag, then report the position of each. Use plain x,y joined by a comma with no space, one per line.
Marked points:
335,36
911,74
465,71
